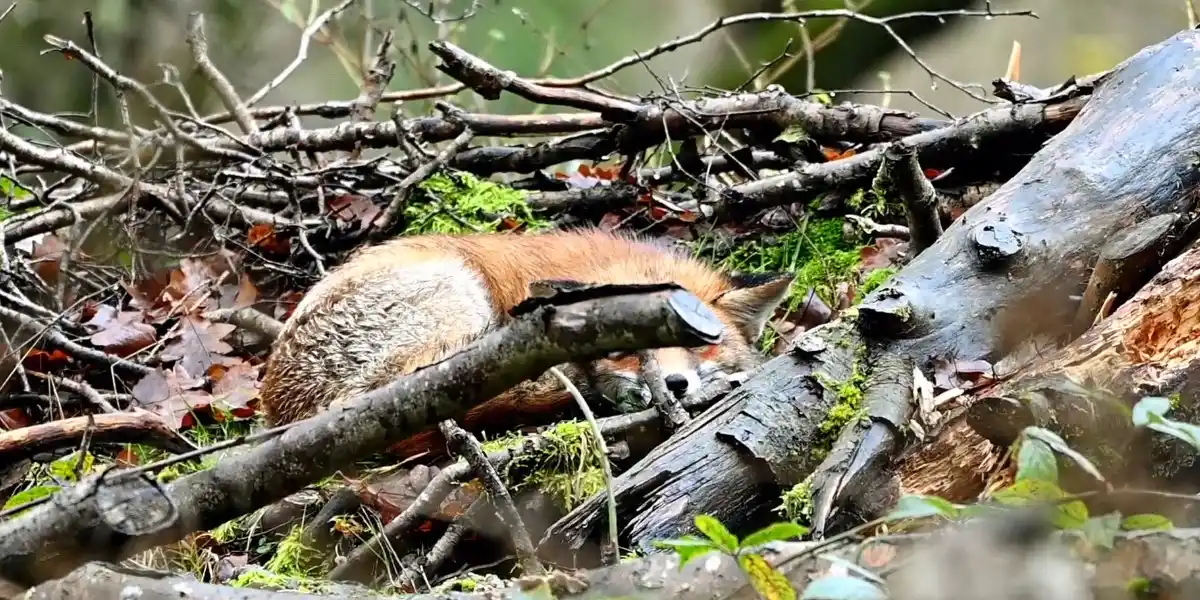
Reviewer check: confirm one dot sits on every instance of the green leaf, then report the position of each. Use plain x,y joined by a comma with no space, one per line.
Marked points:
767,580
64,468
1036,460
981,510
915,506
1148,407
1060,446
716,532
1102,530
1026,491
30,495
1146,521
773,533
687,547
1070,515
842,587
11,190
1149,411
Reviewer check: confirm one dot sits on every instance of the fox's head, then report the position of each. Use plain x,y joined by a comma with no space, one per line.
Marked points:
744,306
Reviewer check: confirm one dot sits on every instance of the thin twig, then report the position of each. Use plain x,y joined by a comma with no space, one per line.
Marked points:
608,551
383,223
466,446
198,42
301,53
664,401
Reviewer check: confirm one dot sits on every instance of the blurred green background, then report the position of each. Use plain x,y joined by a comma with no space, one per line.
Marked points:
252,40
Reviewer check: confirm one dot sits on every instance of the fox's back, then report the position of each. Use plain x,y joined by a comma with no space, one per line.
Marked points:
507,264
395,307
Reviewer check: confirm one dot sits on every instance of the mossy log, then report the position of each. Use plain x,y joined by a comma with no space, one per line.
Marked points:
1008,271
720,462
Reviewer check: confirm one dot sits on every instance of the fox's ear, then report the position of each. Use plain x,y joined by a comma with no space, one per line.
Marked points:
753,300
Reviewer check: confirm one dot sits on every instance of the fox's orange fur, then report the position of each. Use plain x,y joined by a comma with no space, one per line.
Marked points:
404,304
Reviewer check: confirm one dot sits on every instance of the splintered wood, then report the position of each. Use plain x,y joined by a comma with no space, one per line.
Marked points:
1149,346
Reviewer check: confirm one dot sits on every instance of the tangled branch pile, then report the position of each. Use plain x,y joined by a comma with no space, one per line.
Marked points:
147,269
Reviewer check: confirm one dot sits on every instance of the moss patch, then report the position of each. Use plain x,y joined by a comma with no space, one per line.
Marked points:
796,503
848,408
873,281
566,467
817,252
462,203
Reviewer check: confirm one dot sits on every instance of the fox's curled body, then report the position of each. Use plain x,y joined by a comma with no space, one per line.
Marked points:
404,304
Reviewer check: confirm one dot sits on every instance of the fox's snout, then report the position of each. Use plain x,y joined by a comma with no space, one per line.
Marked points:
620,378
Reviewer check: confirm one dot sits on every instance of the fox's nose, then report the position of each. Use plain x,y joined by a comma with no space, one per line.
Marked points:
677,383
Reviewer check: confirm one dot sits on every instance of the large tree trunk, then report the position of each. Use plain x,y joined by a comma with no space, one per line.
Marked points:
1004,274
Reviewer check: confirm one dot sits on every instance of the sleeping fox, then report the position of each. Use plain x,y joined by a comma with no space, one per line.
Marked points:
395,307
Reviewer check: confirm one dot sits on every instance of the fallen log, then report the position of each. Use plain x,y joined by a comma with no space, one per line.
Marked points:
1004,273
719,462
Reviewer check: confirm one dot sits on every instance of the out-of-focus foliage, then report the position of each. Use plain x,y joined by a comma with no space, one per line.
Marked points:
253,40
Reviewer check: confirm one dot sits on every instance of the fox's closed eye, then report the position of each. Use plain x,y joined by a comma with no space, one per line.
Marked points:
618,355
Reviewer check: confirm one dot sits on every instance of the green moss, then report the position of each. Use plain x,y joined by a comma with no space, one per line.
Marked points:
569,489
817,253
1140,587
873,281
463,203
292,558
823,274
848,407
508,441
566,466
875,205
266,580
226,532
260,579
797,502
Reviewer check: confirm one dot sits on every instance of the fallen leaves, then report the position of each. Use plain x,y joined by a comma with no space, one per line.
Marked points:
883,253
354,209
187,289
199,345
263,237
199,366
393,491
235,388
173,395
122,333
587,176
36,359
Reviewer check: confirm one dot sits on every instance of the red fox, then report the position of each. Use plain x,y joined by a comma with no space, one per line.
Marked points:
398,306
